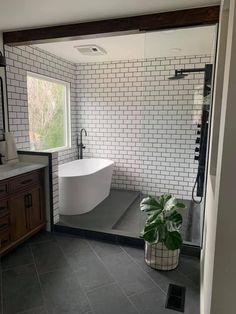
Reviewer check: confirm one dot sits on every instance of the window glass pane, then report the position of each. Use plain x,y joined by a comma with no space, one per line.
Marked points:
47,113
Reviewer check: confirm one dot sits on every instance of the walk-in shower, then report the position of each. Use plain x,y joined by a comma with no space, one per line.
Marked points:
202,132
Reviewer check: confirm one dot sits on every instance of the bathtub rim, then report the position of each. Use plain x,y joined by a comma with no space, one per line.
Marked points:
111,163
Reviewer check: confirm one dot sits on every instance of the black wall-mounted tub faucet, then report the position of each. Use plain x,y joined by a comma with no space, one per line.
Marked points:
80,143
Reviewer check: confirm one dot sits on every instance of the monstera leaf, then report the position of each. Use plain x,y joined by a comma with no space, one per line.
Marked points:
173,240
163,221
150,204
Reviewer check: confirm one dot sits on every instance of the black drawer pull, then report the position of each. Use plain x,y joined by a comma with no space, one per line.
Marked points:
30,200
26,181
2,226
27,201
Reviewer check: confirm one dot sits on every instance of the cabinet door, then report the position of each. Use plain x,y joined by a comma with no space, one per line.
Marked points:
36,217
18,216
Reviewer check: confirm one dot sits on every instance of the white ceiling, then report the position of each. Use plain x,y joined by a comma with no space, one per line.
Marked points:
179,42
18,14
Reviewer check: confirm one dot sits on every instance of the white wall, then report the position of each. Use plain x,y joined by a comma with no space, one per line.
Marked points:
219,254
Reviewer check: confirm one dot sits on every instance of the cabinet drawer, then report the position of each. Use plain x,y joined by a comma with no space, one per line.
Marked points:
3,208
4,223
3,190
4,238
24,181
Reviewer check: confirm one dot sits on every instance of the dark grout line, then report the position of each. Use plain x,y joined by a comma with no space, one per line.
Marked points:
42,293
72,271
147,273
109,272
12,267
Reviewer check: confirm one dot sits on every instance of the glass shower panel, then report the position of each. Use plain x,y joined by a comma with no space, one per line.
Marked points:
176,112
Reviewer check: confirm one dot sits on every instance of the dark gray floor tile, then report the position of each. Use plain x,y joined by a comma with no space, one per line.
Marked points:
70,244
48,256
126,272
38,310
18,257
164,278
63,293
110,299
150,302
104,249
21,289
90,271
192,301
137,254
41,237
190,266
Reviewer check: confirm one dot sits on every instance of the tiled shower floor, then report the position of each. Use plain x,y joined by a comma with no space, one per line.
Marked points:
120,214
55,273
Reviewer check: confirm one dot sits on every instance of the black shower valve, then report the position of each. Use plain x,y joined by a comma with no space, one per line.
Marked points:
197,140
198,125
197,149
196,157
198,132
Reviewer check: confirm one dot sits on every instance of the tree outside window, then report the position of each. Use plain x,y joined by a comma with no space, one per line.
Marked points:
48,108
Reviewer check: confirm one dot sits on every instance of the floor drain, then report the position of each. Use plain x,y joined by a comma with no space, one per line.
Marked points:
176,298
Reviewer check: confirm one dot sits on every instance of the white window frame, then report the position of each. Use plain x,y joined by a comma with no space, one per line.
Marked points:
67,108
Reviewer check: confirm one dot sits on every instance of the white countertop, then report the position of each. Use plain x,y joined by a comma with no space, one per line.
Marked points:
14,169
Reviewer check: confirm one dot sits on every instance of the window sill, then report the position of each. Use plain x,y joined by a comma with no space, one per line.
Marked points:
53,150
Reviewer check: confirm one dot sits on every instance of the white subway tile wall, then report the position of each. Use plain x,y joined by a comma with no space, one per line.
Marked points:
25,58
144,122
133,115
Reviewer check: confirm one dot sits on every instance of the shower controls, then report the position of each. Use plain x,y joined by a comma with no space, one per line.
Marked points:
198,132
196,157
199,125
197,149
197,140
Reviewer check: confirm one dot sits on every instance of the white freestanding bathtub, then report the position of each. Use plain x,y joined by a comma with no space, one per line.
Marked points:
83,184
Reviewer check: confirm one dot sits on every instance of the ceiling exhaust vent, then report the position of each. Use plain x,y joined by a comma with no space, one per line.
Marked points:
91,50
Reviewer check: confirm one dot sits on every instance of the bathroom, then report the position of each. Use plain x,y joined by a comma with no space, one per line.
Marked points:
132,113
101,124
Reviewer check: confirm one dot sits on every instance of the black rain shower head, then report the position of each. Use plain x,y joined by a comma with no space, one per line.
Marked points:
2,60
182,73
178,75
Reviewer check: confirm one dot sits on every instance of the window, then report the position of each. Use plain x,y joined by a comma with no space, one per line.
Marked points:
48,109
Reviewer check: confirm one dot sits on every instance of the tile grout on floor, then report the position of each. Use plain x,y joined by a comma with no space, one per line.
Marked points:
115,281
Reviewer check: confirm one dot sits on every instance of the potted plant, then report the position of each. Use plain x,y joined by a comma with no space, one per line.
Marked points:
162,231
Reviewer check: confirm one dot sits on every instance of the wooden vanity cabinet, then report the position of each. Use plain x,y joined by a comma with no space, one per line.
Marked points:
21,208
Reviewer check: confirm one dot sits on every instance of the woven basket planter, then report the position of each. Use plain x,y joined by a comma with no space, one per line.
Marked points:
159,257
